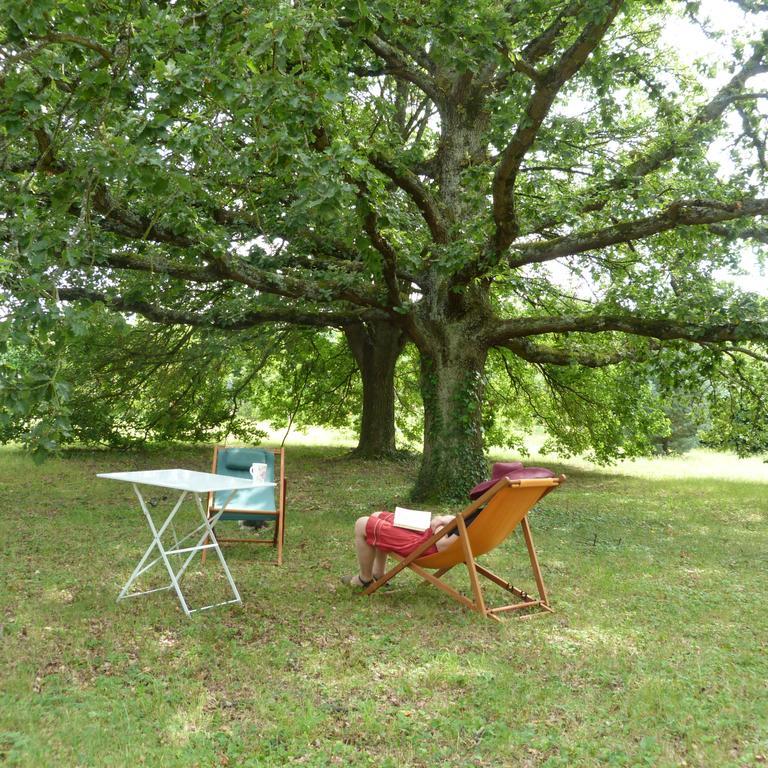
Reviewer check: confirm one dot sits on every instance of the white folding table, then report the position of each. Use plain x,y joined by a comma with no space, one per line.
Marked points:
187,482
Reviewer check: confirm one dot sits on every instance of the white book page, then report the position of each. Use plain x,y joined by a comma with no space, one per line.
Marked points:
413,519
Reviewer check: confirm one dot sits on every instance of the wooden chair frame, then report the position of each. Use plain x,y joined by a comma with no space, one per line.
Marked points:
465,553
278,539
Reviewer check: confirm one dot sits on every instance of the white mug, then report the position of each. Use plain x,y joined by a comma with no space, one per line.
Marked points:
258,473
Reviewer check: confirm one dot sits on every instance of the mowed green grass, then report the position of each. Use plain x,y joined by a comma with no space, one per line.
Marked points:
657,654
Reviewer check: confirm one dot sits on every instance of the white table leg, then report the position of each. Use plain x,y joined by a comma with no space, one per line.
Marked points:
159,544
206,527
212,535
156,543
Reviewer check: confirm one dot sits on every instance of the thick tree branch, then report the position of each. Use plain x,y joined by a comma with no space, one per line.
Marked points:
324,253
223,267
162,266
401,68
759,234
516,64
245,320
661,152
388,253
409,183
321,290
46,161
547,355
122,221
727,95
52,38
419,55
83,42
132,227
752,133
506,227
543,44
220,266
662,328
680,213
370,227
747,352
114,217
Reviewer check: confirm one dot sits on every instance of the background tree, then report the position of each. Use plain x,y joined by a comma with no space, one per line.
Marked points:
376,346
129,383
424,166
737,415
377,436
687,417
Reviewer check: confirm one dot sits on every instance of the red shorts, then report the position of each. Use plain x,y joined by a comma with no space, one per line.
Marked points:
380,533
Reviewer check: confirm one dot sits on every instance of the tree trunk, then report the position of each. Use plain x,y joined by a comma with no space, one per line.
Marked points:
376,347
452,387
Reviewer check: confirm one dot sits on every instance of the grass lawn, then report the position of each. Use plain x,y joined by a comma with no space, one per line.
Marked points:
657,654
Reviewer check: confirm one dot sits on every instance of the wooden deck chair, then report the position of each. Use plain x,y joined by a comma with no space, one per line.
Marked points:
259,504
501,509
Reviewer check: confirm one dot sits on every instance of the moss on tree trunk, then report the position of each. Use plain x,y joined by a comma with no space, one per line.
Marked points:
453,460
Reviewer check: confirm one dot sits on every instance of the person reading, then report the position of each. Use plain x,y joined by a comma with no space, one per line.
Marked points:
376,536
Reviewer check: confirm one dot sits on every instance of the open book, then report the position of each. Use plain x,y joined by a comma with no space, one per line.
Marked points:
414,519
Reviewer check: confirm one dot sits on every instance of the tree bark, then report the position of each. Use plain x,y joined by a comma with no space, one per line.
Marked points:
452,388
376,347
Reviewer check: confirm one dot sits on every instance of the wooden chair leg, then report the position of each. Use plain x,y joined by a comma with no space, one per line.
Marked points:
469,561
475,570
534,560
441,585
279,537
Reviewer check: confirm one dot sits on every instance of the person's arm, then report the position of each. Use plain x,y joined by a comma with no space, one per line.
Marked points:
439,523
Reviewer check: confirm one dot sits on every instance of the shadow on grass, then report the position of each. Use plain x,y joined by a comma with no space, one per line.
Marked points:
655,656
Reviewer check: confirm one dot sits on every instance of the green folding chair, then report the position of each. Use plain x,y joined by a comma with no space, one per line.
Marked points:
261,504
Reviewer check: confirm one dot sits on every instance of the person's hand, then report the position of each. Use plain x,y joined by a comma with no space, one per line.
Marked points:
440,522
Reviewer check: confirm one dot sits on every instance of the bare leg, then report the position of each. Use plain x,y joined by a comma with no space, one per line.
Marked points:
370,560
379,564
380,558
366,554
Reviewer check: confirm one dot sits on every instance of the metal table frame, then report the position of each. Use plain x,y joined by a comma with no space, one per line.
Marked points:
187,482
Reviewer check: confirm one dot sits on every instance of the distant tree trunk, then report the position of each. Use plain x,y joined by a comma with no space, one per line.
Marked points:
452,388
376,347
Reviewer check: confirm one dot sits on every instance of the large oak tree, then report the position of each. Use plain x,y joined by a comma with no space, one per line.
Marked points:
529,177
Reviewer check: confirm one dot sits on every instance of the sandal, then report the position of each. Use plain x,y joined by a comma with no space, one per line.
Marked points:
388,585
348,581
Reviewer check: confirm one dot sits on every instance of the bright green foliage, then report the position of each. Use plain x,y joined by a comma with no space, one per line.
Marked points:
311,380
33,387
737,413
604,413
140,382
162,383
687,412
538,178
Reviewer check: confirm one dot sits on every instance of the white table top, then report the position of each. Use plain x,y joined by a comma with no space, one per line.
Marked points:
184,480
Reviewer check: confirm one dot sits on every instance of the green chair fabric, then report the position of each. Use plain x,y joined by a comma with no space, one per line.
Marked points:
252,505
236,462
